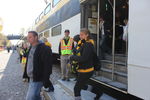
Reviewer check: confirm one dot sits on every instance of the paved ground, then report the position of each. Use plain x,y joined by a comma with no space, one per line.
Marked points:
11,85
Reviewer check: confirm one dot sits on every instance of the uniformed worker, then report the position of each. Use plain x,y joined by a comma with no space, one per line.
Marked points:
65,50
24,51
85,61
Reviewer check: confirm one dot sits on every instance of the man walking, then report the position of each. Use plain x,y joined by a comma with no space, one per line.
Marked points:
65,50
38,66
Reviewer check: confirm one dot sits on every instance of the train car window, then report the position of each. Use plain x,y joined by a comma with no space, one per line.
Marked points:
47,9
36,21
55,2
41,15
46,34
56,30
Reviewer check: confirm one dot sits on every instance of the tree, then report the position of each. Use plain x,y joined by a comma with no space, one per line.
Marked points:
1,24
4,41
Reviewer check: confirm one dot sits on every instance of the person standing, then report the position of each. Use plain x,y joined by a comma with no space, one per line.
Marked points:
38,66
8,49
24,50
65,50
85,61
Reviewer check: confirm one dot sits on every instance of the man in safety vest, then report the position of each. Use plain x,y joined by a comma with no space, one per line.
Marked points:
65,50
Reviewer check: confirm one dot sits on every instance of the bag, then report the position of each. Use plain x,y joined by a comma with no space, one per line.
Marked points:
96,62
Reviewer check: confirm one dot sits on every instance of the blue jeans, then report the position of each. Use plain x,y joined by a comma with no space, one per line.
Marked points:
34,91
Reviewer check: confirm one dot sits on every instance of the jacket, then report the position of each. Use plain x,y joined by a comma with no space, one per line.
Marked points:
85,60
42,64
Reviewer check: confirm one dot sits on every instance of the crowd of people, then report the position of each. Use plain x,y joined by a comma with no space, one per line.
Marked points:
77,55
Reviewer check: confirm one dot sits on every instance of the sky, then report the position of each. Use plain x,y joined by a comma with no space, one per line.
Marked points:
17,14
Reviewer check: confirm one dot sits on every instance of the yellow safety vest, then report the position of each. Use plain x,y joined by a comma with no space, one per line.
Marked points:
66,49
24,60
21,52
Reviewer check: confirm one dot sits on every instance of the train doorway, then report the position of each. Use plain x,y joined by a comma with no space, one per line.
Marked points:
107,21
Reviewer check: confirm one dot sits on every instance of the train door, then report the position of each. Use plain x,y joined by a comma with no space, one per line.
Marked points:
107,21
89,15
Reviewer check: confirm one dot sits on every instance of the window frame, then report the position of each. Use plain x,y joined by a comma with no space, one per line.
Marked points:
54,28
49,5
46,32
36,20
41,15
56,3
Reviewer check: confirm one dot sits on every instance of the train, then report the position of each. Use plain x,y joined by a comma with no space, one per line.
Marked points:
120,29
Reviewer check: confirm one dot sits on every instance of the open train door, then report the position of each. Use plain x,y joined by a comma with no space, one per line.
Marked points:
90,17
107,21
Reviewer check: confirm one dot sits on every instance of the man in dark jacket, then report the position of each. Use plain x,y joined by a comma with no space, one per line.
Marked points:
38,66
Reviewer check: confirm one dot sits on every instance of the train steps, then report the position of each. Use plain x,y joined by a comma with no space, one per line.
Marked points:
64,91
120,69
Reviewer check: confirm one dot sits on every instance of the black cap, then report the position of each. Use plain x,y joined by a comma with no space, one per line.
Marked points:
67,31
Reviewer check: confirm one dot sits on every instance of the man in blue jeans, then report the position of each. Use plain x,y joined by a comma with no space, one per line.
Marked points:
38,67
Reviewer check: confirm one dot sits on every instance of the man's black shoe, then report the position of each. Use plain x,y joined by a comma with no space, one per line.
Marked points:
51,89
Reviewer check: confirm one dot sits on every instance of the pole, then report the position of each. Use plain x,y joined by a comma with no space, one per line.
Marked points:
113,44
98,25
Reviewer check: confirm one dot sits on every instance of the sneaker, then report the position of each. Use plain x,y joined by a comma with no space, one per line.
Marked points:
46,89
24,80
51,88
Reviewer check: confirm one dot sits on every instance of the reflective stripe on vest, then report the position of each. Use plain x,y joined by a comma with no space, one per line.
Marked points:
86,70
66,49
